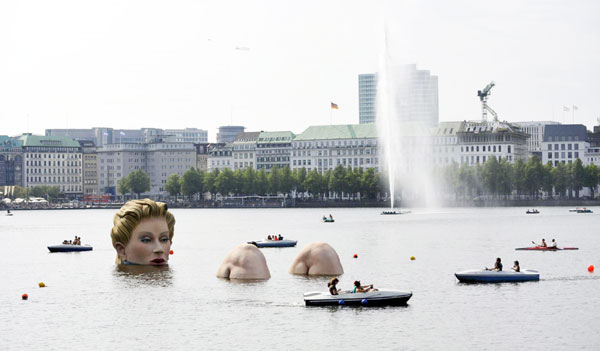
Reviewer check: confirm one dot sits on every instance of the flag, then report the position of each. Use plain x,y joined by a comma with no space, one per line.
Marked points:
121,133
565,108
334,106
575,108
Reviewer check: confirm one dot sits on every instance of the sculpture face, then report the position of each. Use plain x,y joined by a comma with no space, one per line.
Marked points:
244,262
317,259
149,243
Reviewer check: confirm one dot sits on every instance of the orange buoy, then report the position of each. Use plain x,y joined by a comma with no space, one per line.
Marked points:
355,256
171,252
591,268
24,296
41,285
412,258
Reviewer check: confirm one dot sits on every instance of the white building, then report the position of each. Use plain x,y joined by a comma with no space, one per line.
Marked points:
273,149
187,135
445,143
565,143
325,147
220,156
535,129
158,160
480,140
244,150
414,91
53,161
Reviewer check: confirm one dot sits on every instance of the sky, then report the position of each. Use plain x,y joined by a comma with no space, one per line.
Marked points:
277,65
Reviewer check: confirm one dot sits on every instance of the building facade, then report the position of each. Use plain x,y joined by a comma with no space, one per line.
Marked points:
564,143
227,134
324,147
220,156
535,130
480,140
53,161
11,161
202,156
273,149
187,135
414,94
244,150
90,168
446,149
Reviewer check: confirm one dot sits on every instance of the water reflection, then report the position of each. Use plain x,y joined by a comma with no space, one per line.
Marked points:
144,275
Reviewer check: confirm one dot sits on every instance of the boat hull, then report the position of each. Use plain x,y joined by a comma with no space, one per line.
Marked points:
483,276
382,297
541,248
69,248
274,243
328,220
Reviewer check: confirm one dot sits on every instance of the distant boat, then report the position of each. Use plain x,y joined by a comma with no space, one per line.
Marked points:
69,248
381,297
274,243
534,211
485,276
328,220
545,248
393,212
581,210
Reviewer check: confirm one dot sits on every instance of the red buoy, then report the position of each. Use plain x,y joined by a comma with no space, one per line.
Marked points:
591,268
355,256
171,252
24,296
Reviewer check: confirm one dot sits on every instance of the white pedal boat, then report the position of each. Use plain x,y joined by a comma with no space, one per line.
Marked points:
484,276
382,297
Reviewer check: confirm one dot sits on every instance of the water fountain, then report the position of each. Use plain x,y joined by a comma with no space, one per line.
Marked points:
405,131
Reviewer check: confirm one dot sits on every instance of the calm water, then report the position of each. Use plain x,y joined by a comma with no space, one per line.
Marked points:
89,304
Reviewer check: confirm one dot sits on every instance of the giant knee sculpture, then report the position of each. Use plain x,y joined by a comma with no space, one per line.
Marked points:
317,259
244,262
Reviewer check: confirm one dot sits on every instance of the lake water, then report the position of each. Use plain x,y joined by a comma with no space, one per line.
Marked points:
90,304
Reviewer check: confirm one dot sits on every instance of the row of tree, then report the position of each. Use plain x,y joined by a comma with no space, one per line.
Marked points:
500,178
333,183
46,191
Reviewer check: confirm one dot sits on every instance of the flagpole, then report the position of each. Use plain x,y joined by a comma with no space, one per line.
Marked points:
330,116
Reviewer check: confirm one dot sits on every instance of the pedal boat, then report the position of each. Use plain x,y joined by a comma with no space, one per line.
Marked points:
382,297
484,276
69,248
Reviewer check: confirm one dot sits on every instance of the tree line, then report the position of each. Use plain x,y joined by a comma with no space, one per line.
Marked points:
332,184
532,178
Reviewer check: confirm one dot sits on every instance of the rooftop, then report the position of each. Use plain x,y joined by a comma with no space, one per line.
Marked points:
342,131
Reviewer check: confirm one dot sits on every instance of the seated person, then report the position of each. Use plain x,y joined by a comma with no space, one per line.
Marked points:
142,233
244,261
497,266
543,244
65,242
516,267
269,237
317,259
280,237
553,243
362,289
332,286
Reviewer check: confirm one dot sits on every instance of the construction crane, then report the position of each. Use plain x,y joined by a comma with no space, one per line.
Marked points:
483,95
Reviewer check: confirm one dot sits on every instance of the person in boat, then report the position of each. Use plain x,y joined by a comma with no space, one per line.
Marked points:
280,237
516,267
330,216
497,266
65,242
8,211
553,243
324,218
142,233
362,288
543,244
269,237
332,286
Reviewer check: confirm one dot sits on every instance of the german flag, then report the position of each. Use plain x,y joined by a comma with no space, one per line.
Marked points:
334,106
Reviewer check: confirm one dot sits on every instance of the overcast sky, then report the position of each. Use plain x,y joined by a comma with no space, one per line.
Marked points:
277,65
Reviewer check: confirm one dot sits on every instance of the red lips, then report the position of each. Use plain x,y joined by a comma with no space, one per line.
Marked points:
158,261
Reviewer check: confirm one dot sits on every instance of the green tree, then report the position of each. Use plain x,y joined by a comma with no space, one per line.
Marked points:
560,178
519,177
491,172
209,182
577,176
20,192
300,175
274,178
287,180
262,182
225,183
249,181
592,178
139,182
314,183
534,171
352,178
172,186
369,183
336,182
123,186
547,184
192,182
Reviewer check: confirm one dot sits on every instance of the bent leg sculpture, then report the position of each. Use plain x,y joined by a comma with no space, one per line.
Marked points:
244,262
317,259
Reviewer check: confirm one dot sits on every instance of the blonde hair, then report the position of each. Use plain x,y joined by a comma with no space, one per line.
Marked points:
132,213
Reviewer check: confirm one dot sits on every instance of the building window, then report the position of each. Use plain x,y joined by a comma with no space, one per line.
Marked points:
549,155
